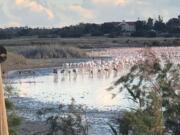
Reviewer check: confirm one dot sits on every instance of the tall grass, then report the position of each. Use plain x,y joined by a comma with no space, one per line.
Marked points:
52,51
13,61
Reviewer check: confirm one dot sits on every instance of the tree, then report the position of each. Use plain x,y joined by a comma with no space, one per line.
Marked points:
150,23
140,25
173,25
141,29
154,86
112,28
159,25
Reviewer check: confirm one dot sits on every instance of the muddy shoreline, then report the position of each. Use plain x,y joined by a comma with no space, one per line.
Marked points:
34,123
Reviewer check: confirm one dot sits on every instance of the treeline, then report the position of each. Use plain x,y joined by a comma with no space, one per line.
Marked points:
149,28
79,30
153,28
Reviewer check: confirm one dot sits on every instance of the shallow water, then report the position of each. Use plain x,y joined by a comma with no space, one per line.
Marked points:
48,90
87,90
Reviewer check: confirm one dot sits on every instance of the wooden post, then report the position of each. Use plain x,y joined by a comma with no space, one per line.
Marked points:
3,115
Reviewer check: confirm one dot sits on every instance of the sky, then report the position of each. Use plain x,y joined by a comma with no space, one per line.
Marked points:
59,13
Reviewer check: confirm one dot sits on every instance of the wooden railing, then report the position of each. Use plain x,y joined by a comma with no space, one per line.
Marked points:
3,114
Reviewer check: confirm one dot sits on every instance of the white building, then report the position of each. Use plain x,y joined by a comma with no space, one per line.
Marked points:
128,26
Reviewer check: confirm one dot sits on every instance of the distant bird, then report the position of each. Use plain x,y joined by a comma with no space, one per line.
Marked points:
62,71
110,88
55,71
69,71
74,71
91,72
106,69
20,72
99,70
113,96
115,69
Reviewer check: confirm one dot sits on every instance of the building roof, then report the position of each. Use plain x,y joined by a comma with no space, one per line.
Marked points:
131,23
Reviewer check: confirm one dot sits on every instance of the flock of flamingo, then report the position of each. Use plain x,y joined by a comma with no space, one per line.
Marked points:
120,59
117,60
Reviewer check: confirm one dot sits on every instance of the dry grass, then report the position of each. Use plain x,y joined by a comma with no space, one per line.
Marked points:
14,61
88,42
52,51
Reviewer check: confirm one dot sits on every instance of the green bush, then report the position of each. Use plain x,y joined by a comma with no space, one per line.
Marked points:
154,86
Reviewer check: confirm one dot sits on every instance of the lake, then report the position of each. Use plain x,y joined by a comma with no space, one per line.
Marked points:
85,82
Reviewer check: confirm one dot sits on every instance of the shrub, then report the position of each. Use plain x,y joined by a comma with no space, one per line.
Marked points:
71,121
154,86
13,120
